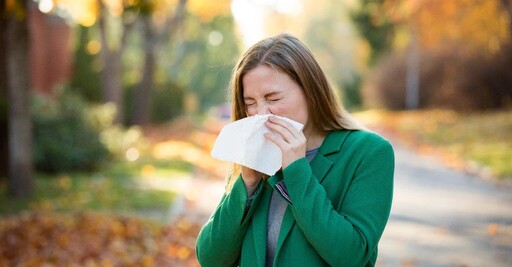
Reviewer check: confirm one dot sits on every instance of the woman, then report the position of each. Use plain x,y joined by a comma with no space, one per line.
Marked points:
329,203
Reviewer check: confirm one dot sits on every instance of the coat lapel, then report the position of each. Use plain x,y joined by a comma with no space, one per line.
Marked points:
320,166
259,232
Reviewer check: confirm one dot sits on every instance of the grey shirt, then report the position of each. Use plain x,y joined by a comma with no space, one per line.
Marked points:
275,216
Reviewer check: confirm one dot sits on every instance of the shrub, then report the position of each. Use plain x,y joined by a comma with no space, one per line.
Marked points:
64,138
449,78
166,103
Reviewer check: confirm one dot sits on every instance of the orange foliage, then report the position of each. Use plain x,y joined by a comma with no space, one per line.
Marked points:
85,12
478,24
207,9
14,8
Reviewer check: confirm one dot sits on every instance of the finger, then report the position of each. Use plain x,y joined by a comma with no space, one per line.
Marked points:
279,130
284,124
280,142
290,151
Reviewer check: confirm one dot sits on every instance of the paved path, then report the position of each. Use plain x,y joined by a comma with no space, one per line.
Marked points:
440,217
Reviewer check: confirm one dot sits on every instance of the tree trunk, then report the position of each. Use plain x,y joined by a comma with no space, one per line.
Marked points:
143,91
111,73
111,81
507,4
152,37
4,151
412,94
20,125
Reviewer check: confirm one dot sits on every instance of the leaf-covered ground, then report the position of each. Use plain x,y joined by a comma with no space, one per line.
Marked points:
85,235
92,239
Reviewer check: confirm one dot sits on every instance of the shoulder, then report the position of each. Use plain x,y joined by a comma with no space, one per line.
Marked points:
353,141
366,136
358,137
363,141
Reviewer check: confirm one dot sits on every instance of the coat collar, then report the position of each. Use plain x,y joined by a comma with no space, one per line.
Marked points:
333,142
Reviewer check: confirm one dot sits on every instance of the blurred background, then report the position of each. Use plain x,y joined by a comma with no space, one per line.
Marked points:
109,108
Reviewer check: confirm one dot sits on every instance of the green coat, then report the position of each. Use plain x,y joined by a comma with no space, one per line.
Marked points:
340,205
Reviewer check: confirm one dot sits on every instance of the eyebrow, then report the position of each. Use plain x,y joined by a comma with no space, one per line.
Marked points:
266,95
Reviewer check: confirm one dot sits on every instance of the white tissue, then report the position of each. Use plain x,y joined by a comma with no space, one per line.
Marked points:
243,142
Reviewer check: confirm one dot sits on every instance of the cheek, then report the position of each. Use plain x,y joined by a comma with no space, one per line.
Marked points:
278,110
290,111
251,111
299,113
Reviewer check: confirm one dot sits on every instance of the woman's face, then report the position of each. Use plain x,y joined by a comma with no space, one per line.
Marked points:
268,91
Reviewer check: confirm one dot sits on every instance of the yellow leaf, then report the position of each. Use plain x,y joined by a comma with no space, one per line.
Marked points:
148,261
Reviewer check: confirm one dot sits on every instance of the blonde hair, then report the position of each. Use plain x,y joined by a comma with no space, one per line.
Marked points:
288,54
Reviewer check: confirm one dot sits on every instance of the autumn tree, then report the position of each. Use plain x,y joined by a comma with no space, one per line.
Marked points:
3,96
115,20
334,42
158,23
375,26
470,24
507,5
15,70
445,34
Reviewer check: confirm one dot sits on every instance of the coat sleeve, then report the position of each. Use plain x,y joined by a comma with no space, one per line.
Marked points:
346,235
220,240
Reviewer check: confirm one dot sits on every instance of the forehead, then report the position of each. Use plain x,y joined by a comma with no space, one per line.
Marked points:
265,79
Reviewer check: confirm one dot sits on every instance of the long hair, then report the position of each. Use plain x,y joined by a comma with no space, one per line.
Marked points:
288,54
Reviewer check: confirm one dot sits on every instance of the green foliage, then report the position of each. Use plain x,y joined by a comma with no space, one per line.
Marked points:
166,102
86,75
333,40
116,138
352,98
374,27
208,56
64,139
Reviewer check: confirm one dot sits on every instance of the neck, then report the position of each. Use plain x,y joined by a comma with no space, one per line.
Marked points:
314,140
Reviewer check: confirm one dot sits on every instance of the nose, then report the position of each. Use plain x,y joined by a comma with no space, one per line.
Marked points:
263,109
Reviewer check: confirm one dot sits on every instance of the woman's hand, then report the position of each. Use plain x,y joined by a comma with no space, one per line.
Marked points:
291,142
251,179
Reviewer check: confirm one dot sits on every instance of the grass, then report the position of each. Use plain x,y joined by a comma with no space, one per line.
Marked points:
119,189
481,140
117,216
145,187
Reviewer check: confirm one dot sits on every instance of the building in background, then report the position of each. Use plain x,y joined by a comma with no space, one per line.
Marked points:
51,53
